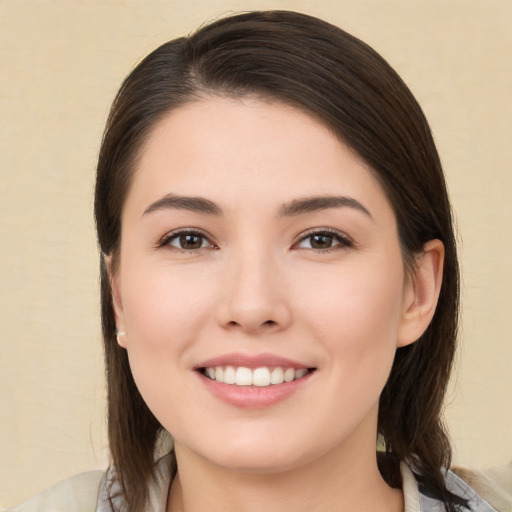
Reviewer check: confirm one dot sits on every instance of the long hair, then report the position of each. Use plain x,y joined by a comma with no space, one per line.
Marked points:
338,79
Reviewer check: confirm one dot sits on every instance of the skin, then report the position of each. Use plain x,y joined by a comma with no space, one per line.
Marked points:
258,284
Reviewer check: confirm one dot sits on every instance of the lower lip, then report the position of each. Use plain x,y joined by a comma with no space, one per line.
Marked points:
253,397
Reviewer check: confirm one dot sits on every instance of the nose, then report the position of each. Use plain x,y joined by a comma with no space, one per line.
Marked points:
254,298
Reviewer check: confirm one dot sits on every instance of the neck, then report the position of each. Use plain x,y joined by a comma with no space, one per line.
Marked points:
334,483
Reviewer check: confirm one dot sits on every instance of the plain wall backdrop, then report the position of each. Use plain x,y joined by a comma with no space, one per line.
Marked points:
61,63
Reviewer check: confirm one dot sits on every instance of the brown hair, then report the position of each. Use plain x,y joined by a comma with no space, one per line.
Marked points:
319,68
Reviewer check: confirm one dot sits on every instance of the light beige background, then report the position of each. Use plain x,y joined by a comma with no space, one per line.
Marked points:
60,65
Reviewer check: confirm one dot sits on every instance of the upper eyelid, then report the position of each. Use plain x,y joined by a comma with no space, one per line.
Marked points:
176,232
302,236
314,231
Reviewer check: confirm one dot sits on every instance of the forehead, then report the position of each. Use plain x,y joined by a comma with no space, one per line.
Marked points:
248,150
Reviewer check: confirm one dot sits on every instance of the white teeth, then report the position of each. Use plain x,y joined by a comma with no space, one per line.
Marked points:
300,373
277,376
229,375
243,376
289,374
260,377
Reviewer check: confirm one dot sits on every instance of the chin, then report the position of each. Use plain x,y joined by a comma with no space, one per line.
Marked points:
265,457
258,463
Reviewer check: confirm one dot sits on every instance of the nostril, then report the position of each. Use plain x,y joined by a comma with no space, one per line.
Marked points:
267,323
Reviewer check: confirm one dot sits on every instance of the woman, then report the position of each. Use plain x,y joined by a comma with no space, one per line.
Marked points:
279,280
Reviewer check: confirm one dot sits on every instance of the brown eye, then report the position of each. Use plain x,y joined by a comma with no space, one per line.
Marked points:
324,240
188,241
321,241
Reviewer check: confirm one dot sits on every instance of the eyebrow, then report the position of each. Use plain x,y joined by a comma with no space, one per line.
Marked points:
194,204
315,204
295,207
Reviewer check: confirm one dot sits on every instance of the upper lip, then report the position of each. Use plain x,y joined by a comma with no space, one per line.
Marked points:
251,361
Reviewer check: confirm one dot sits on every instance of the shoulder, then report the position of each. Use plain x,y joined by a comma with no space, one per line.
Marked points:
483,491
78,493
494,485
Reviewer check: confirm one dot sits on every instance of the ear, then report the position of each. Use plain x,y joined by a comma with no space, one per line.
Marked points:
422,288
117,303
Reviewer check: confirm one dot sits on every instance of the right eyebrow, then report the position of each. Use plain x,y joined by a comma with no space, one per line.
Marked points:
194,204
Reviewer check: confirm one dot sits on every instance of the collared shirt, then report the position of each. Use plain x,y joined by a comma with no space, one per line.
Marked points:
91,492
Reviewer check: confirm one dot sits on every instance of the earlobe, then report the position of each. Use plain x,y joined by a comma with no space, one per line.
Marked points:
117,303
422,293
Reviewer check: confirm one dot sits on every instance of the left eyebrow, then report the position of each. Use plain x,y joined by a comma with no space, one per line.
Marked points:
315,204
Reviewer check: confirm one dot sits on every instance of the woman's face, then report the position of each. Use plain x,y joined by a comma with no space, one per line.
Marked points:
256,248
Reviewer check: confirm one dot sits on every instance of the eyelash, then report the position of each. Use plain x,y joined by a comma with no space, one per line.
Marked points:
343,241
167,239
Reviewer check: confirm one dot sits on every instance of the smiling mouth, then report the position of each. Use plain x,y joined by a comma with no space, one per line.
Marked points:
259,377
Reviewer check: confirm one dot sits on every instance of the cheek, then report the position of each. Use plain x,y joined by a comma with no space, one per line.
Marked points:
356,315
164,312
163,305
